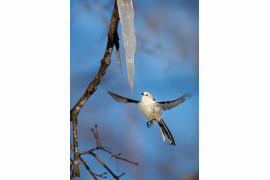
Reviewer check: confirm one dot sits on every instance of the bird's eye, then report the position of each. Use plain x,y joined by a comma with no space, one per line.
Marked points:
146,94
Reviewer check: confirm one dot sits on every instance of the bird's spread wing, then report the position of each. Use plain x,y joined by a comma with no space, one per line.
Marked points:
166,105
122,99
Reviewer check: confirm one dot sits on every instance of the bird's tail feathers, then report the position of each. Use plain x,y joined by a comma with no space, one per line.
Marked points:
166,132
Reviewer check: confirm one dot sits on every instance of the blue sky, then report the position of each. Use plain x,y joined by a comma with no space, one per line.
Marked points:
166,65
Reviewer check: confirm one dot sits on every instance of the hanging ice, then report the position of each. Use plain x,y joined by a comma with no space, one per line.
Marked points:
119,60
126,14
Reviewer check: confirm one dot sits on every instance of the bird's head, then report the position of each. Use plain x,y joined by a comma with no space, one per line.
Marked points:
146,96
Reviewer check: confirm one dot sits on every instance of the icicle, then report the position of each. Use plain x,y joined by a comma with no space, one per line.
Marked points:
126,14
119,60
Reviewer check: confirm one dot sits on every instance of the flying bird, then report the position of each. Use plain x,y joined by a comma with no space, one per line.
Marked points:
152,110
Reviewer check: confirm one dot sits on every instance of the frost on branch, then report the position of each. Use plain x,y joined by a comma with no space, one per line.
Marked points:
126,14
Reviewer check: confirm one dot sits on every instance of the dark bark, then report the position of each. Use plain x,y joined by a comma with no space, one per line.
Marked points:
105,62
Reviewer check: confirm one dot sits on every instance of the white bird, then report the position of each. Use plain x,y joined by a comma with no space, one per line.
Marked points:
152,110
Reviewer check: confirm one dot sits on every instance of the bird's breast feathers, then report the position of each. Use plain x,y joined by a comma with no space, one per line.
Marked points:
150,110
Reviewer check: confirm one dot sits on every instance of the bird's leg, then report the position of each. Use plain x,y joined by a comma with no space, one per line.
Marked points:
149,123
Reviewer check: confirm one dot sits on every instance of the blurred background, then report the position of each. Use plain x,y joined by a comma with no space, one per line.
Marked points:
166,65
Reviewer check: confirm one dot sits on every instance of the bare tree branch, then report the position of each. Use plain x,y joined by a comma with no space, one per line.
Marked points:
105,62
99,147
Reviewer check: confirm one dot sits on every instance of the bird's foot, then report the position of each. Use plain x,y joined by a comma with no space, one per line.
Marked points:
149,123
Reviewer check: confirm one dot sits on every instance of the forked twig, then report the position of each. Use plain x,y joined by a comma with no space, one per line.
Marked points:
99,147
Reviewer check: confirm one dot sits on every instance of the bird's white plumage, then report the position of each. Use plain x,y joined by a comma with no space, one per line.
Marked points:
152,110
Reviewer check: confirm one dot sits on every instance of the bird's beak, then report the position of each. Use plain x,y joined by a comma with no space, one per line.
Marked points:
142,94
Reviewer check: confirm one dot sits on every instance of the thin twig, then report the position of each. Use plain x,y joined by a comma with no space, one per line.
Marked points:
82,161
95,132
88,168
88,152
104,165
117,156
113,155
